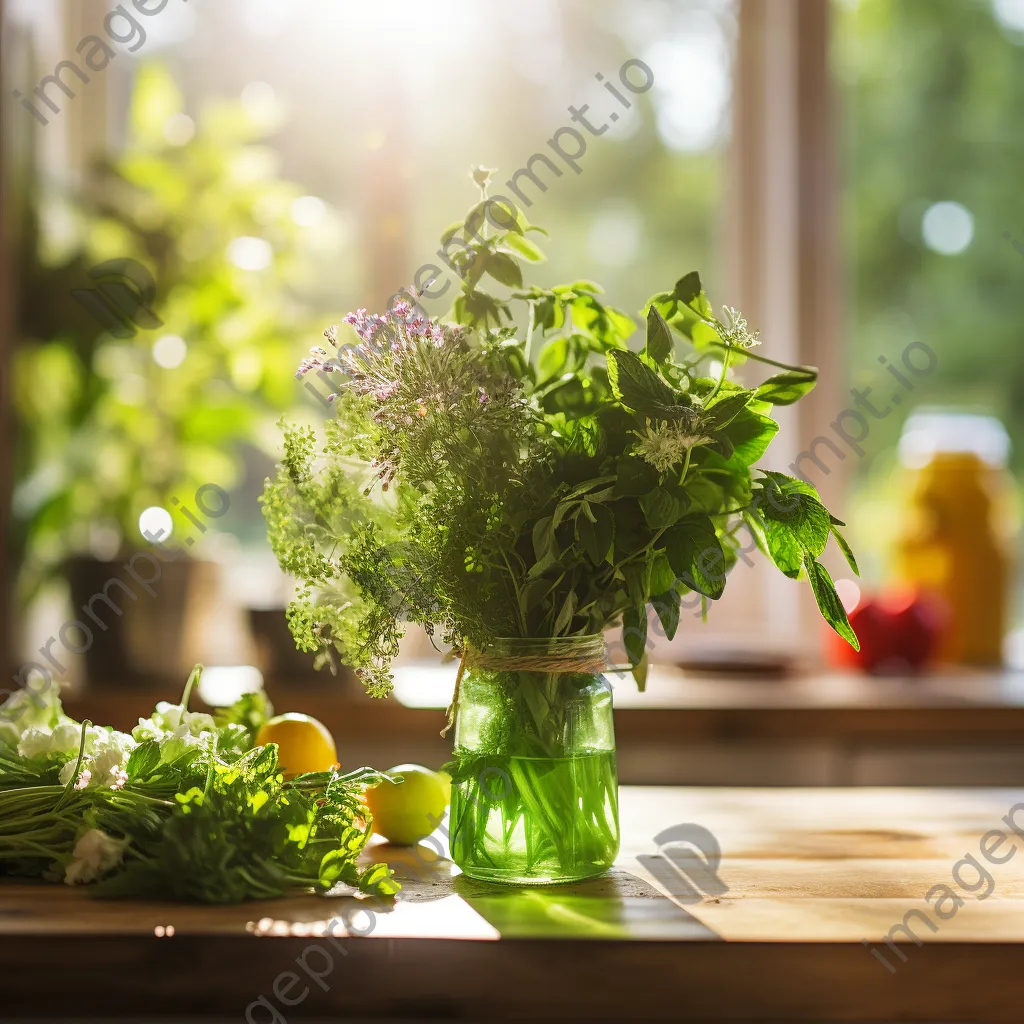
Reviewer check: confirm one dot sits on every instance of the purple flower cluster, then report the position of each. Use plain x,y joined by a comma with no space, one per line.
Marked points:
396,333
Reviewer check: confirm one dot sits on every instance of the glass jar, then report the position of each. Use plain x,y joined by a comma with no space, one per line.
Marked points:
954,540
534,783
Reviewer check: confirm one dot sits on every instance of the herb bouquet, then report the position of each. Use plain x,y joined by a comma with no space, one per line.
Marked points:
186,807
518,490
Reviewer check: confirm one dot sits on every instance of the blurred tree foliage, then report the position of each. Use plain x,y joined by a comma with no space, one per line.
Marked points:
933,109
106,431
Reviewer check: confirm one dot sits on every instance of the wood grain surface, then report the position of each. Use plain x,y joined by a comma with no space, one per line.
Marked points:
777,932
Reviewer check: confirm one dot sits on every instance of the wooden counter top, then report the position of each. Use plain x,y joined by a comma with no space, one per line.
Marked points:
805,875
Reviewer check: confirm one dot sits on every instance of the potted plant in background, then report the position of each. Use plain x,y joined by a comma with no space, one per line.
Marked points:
127,405
518,491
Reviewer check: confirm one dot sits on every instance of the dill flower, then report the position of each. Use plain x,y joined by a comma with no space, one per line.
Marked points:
736,332
666,444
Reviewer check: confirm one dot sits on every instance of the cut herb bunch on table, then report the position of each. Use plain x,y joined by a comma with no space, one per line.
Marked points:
186,807
520,478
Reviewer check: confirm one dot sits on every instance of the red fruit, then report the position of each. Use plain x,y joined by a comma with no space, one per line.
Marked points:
898,633
872,627
916,621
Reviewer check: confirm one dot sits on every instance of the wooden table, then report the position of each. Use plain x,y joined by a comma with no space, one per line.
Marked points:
805,877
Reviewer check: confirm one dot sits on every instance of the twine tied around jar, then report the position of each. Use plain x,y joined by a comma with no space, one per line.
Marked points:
553,662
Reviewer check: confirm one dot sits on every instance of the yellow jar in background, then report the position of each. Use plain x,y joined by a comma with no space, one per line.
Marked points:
954,539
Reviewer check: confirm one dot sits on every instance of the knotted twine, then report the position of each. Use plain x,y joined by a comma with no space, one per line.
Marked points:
566,663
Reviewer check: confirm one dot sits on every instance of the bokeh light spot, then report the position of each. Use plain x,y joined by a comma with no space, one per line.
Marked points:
155,523
169,351
947,228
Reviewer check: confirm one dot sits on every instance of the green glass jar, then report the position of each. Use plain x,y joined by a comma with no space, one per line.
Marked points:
534,783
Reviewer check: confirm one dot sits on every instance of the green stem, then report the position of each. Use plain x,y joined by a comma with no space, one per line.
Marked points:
529,331
764,359
721,378
686,465
193,678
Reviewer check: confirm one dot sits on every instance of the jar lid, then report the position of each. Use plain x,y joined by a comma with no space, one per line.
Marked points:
930,432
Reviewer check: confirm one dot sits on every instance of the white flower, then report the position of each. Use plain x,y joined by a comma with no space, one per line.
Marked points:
107,759
736,330
64,738
95,854
105,765
35,741
666,444
168,718
67,738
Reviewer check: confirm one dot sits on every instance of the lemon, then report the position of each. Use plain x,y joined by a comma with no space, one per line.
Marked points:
303,743
409,811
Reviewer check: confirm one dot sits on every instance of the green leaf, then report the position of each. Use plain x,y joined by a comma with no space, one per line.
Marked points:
560,356
543,565
785,504
696,556
726,408
634,476
662,576
533,592
784,547
336,866
524,246
596,537
750,433
450,232
690,292
475,220
564,508
662,508
828,602
787,387
666,606
659,336
640,673
851,560
143,761
505,269
543,538
608,327
566,613
635,384
634,633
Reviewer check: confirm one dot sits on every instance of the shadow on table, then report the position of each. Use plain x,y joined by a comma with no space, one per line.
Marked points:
615,905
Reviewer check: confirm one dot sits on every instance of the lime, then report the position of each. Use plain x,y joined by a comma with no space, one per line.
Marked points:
409,811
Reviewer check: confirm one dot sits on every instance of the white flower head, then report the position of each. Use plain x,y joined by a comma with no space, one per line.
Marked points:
736,331
106,761
67,738
168,718
64,738
666,444
35,741
94,855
